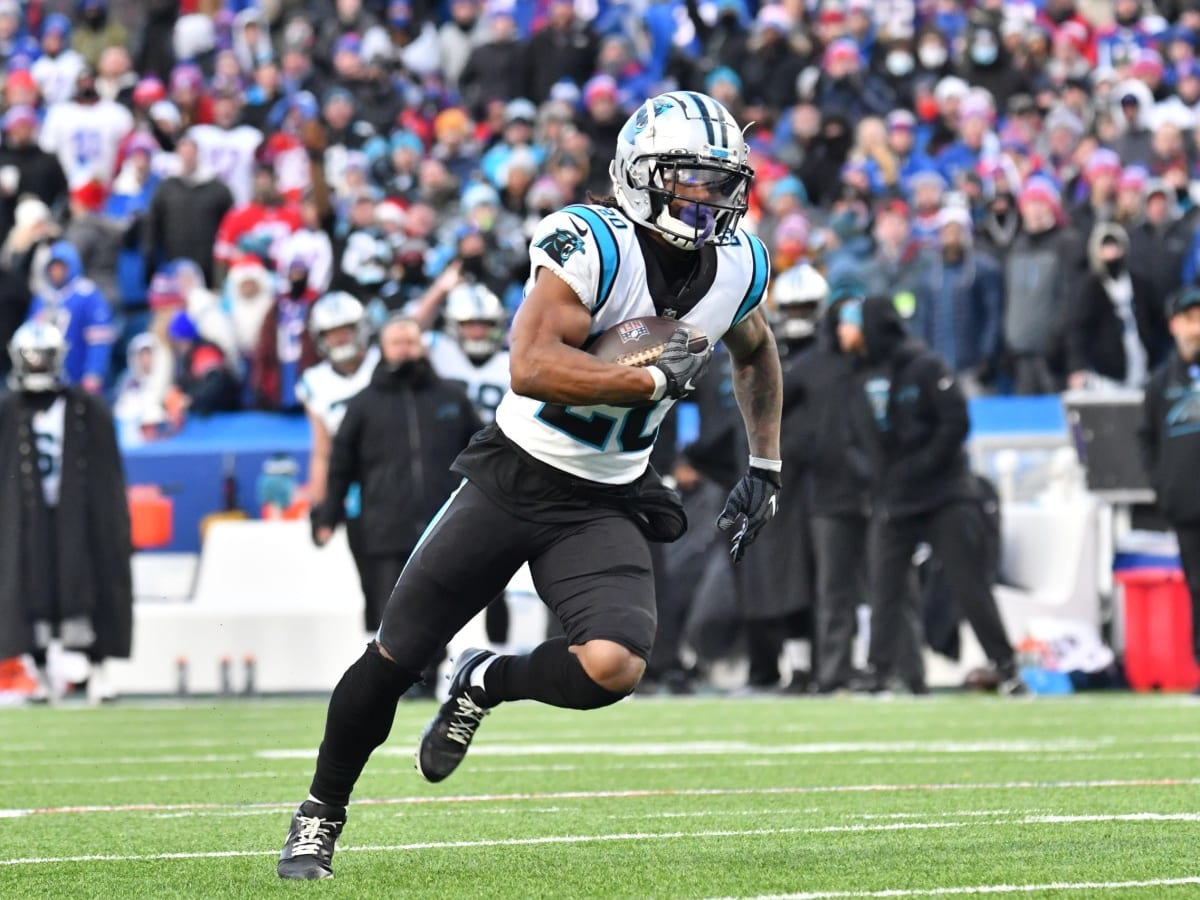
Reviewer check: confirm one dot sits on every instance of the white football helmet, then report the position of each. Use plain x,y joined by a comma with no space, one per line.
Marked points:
680,168
339,310
471,302
799,295
38,351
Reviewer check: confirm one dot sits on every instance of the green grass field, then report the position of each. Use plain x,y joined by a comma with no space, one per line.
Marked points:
1092,796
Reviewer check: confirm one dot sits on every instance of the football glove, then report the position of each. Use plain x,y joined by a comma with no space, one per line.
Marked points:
680,365
751,504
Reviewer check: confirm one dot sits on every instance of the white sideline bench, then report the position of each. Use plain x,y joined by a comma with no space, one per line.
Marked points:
262,590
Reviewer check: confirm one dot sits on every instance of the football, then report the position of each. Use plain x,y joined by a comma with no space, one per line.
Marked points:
639,342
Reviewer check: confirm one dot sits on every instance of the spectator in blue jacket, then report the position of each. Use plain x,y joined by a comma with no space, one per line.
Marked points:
959,301
82,313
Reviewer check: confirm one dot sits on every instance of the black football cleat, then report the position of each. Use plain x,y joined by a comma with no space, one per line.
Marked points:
446,738
308,851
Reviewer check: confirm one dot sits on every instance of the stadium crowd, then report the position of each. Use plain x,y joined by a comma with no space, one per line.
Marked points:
179,181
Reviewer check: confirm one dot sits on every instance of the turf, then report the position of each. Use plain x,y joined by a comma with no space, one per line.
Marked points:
665,798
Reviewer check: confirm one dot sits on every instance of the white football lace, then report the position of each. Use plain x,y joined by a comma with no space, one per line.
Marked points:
466,720
309,841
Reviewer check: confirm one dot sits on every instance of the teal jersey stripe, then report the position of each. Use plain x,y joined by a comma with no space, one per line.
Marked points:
610,255
761,264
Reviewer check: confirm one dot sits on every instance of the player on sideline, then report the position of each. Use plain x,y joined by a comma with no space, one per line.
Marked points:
561,480
339,327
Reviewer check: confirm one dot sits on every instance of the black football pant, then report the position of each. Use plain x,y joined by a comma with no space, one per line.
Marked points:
957,533
1189,555
842,586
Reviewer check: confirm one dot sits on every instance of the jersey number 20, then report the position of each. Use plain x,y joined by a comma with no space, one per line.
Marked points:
595,429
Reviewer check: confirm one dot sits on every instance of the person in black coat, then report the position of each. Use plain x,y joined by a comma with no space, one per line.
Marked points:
25,168
1116,327
1170,440
565,49
14,307
497,69
65,543
184,215
924,493
827,435
398,438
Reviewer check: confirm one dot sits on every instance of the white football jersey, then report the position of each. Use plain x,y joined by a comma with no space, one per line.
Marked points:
48,432
595,250
485,385
230,154
85,138
326,393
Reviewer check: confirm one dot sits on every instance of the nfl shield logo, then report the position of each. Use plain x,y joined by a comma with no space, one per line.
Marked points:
633,330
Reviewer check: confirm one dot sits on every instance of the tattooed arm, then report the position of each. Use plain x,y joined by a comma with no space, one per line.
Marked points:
757,382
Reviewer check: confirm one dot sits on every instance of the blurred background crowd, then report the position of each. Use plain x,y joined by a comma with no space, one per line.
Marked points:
180,180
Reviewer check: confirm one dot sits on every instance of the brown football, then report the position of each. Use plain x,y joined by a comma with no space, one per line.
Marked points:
639,342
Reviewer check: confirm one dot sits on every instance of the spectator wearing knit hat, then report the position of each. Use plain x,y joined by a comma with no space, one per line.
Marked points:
1042,271
959,301
772,64
1099,186
1160,238
97,238
25,168
846,86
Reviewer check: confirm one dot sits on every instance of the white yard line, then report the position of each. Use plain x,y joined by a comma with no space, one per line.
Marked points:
634,836
969,890
631,794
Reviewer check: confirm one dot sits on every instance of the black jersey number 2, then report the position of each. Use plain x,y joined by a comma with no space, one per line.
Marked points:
595,428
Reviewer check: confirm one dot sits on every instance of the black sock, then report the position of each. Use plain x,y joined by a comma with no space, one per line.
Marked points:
551,674
360,716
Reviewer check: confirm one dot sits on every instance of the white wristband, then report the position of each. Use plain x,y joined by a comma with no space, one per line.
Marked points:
660,382
771,465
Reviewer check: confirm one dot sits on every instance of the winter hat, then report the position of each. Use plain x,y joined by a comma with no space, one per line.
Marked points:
792,227
1133,178
843,49
89,195
163,291
1041,187
773,17
19,115
1101,162
182,328
956,215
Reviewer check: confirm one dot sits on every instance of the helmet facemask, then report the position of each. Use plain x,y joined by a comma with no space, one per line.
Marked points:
695,202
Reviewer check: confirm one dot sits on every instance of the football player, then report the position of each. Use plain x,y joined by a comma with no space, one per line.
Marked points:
561,479
470,350
339,327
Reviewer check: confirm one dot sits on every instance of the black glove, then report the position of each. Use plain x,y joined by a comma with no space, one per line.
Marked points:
682,367
751,504
317,519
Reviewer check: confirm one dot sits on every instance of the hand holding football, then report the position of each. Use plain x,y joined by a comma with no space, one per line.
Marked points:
640,342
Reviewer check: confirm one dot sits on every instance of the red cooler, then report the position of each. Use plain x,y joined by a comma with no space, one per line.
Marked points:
1158,630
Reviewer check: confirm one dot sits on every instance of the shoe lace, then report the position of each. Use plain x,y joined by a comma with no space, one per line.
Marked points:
465,720
314,834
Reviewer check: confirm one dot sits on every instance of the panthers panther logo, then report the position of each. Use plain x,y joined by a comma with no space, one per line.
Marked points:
561,245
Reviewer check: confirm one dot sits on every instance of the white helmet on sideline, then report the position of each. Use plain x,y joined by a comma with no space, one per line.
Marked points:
471,302
799,295
38,351
339,310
